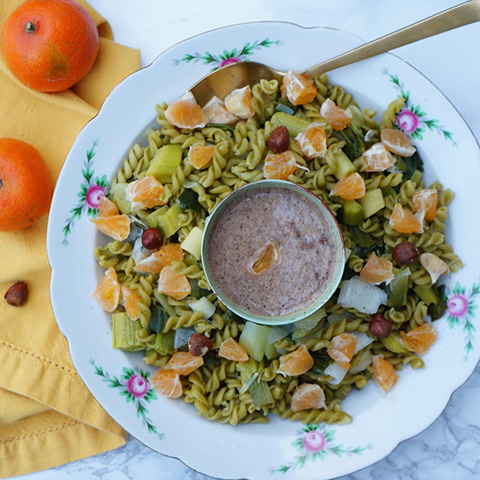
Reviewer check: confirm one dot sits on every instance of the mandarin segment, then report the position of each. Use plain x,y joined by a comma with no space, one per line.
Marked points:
298,88
131,302
265,258
434,266
165,256
338,117
313,140
378,158
115,226
215,111
174,284
199,156
384,374
426,201
397,141
232,350
307,396
107,292
350,188
146,192
420,339
167,383
296,363
186,113
280,165
377,270
404,221
107,208
239,102
184,363
342,348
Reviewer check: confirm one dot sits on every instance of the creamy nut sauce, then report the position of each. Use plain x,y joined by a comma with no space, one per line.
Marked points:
305,248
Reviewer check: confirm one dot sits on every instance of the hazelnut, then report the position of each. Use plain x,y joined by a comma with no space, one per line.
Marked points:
405,253
199,345
152,238
379,326
17,294
279,140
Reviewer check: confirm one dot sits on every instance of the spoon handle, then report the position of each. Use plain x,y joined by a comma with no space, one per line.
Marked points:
458,16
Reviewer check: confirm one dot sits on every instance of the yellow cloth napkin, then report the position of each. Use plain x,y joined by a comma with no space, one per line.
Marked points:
47,415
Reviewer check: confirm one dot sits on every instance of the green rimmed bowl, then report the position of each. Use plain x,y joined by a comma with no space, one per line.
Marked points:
247,309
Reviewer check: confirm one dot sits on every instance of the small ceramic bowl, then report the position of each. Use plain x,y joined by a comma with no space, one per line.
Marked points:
338,252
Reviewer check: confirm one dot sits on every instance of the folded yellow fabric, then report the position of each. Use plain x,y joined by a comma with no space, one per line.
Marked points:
47,415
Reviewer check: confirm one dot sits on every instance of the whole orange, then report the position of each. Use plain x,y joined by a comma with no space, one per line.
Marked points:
25,185
49,45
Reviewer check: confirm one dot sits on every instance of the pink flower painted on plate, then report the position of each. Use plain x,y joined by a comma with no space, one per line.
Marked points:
407,121
314,441
228,61
137,386
94,195
458,305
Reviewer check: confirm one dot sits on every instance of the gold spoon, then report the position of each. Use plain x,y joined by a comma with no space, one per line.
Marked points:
224,80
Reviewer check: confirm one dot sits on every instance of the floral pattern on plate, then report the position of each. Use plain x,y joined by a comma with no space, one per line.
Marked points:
411,118
314,443
92,189
135,386
228,56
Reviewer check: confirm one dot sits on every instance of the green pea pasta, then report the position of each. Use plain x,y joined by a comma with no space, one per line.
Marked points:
236,392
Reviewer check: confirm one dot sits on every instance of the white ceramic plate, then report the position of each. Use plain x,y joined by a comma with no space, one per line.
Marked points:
281,449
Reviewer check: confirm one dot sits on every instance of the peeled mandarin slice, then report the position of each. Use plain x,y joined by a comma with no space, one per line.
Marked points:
420,339
298,88
200,155
338,117
167,383
307,396
174,284
377,270
296,363
404,221
350,188
131,303
185,113
215,111
106,208
184,363
434,265
265,258
313,140
239,102
383,373
107,292
378,158
146,192
426,200
396,141
166,255
342,348
280,165
115,226
232,350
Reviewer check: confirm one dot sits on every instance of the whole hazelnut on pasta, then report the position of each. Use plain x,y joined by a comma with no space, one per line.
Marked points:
405,253
199,345
379,326
17,294
279,140
152,238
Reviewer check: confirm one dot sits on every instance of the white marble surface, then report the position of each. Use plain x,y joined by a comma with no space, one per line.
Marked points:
450,448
